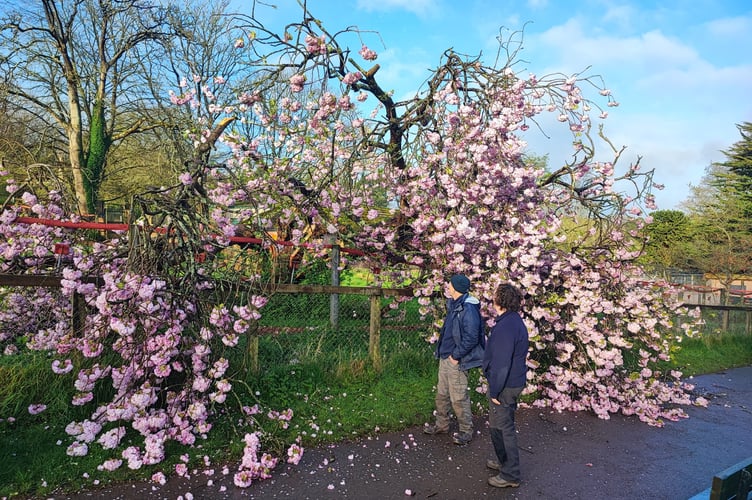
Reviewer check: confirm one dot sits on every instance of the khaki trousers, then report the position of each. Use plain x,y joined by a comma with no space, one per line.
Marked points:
452,394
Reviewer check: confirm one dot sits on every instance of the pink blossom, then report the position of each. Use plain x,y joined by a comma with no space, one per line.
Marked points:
67,366
294,454
77,449
251,98
36,409
243,479
111,439
181,469
296,82
351,78
367,54
111,464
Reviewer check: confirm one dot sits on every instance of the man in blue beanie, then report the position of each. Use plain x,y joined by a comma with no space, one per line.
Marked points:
459,348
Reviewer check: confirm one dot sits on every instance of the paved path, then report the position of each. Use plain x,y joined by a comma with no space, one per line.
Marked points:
564,456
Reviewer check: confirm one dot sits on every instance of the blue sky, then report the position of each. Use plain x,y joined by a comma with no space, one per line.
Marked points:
681,70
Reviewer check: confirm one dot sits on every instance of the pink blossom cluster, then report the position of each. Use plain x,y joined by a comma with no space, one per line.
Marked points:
38,314
283,417
367,54
137,323
316,44
252,466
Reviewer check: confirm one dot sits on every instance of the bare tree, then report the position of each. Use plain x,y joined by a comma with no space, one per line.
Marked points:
74,63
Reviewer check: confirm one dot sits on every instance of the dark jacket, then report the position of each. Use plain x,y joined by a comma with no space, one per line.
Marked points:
504,362
462,334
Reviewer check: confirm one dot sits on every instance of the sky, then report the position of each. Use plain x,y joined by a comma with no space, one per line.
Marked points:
680,70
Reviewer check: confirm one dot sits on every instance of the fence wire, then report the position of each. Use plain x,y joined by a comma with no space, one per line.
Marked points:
298,329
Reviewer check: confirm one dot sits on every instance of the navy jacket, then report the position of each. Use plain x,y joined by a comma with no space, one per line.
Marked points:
462,334
504,362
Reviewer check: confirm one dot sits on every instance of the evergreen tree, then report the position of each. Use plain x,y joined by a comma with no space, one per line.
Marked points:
735,176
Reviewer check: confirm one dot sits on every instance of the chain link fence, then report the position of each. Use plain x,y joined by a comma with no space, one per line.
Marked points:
360,329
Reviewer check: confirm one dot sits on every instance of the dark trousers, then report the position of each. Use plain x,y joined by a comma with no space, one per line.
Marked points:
504,434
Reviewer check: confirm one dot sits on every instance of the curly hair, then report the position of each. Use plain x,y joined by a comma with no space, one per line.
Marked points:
508,296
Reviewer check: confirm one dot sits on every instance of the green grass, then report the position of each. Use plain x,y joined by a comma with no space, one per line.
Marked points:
713,353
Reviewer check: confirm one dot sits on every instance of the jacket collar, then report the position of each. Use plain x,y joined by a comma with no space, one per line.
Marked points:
459,303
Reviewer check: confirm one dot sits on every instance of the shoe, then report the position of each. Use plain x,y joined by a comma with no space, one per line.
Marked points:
462,438
499,482
434,429
493,464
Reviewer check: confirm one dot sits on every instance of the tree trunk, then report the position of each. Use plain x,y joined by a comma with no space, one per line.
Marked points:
75,149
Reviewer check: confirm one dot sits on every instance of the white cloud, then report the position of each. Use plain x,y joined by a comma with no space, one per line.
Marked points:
731,27
621,15
571,46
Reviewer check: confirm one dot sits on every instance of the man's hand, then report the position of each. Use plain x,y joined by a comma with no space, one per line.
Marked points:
453,361
495,401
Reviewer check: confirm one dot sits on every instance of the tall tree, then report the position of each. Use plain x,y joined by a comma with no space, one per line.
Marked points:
721,211
74,62
667,246
736,174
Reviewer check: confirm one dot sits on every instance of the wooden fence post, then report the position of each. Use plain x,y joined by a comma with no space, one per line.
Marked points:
374,338
253,353
78,317
334,297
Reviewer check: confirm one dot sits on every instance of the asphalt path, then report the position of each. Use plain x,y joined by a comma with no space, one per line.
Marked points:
563,456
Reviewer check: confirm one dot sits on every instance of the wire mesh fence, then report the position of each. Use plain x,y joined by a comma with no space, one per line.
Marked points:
299,328
717,320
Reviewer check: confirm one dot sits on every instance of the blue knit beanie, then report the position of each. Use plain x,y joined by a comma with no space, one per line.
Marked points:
461,283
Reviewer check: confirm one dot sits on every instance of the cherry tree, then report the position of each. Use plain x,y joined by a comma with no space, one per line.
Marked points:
452,162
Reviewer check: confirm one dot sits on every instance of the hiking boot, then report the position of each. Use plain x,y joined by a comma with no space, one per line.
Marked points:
493,464
462,438
500,482
434,429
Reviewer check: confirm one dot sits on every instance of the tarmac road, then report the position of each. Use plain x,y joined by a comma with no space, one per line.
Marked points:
564,456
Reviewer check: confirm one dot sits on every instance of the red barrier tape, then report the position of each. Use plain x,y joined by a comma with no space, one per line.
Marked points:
104,226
